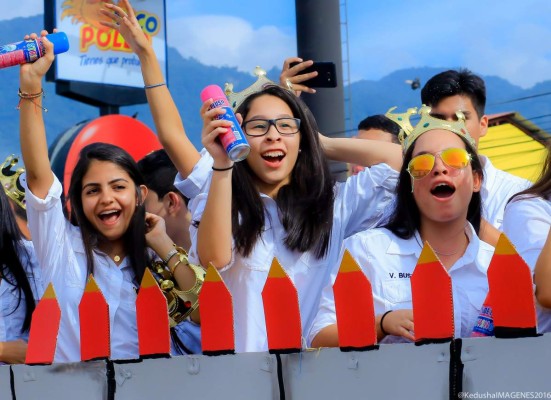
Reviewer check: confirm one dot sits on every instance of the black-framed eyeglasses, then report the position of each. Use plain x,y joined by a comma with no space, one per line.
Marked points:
260,127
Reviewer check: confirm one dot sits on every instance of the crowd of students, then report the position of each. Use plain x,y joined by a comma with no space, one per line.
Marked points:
280,202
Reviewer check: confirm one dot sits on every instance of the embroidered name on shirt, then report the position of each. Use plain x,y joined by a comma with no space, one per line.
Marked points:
401,275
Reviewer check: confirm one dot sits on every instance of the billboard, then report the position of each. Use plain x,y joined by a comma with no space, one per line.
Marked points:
100,55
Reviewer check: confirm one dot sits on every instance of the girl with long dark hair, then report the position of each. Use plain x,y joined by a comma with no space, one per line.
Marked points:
20,286
113,234
280,202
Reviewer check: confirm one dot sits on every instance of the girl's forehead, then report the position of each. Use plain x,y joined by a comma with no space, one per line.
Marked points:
105,170
437,140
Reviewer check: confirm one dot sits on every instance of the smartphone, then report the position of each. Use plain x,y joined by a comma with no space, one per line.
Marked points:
327,74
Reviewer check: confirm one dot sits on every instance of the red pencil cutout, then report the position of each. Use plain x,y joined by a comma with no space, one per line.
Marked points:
354,307
44,328
94,323
281,311
512,293
431,291
152,319
216,312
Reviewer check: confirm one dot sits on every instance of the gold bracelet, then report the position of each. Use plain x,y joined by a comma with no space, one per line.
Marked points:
174,266
31,97
181,303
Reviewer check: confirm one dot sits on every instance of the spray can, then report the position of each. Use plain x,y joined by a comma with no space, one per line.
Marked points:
233,139
31,50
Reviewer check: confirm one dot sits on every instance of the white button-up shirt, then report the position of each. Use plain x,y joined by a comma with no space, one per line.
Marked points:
388,262
60,252
12,308
360,203
497,188
527,222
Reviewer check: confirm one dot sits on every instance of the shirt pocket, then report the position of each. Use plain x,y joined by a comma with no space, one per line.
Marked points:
397,291
262,255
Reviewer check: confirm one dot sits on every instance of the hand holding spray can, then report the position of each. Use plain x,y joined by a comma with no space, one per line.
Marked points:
31,50
233,140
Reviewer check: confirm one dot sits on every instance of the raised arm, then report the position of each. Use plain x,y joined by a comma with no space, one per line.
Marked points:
166,117
214,235
34,147
362,152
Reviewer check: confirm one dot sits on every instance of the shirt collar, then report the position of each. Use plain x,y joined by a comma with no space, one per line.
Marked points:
413,247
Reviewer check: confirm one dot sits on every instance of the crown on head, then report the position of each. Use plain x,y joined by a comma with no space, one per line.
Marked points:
409,134
11,180
235,99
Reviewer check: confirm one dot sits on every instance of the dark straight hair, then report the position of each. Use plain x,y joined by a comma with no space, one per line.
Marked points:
305,204
134,237
451,83
11,254
406,217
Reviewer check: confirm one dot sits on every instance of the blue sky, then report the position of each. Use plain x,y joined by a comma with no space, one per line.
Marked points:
507,38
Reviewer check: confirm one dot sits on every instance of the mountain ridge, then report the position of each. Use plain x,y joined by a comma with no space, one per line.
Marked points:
187,77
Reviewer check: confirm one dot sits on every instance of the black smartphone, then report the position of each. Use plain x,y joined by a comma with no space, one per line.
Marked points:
327,74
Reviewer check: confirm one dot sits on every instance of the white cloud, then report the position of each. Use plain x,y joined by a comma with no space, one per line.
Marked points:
22,8
230,41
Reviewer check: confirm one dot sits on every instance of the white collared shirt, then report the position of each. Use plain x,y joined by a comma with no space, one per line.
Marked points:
497,188
388,262
12,309
360,203
526,223
60,252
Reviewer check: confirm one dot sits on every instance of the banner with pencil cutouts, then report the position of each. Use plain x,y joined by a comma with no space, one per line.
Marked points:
93,311
431,291
354,307
216,312
511,293
152,319
44,328
281,311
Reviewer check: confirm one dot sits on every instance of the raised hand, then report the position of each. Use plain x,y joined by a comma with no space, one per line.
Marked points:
31,73
291,77
212,127
124,21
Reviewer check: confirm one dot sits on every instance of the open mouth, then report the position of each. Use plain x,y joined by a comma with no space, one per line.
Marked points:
443,190
109,216
274,156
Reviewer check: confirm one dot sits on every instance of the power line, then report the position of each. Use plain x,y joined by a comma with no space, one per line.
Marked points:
522,98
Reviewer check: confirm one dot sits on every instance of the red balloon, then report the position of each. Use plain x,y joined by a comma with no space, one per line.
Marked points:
121,130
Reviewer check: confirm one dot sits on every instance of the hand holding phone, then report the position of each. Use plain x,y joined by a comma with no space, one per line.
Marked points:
326,74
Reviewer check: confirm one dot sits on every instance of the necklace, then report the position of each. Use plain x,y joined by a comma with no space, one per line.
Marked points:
445,254
118,258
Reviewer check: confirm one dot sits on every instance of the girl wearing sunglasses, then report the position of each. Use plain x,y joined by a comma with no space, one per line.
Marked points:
438,202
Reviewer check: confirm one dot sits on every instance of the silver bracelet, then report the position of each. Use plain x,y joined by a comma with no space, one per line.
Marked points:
170,254
154,86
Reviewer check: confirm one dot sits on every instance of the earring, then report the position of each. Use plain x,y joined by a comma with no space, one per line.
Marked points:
299,150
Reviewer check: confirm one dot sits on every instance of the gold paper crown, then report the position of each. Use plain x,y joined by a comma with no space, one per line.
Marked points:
235,99
11,181
409,134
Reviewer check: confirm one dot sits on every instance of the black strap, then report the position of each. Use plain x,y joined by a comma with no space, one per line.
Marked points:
280,383
456,369
111,382
12,384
